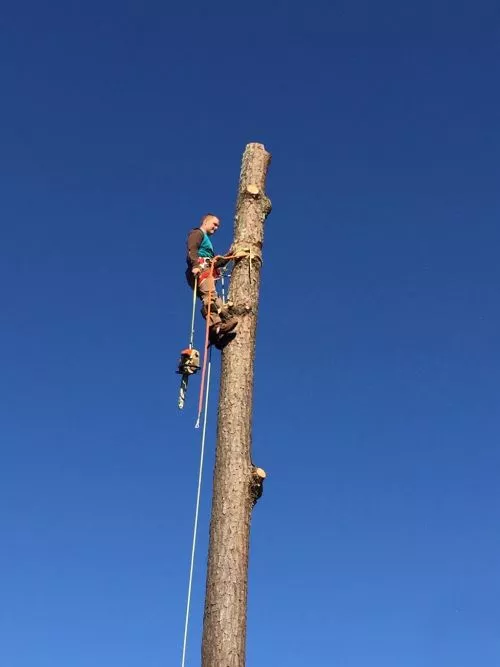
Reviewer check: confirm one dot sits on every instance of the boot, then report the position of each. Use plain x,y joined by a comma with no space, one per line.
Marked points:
221,334
227,326
225,311
222,341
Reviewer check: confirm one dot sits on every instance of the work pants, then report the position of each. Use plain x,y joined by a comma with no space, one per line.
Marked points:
207,292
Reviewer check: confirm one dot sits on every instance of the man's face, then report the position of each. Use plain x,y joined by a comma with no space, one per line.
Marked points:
211,225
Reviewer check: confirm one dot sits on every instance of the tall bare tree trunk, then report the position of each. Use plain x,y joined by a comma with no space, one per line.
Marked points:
237,483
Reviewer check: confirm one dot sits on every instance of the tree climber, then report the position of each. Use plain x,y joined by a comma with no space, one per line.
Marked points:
200,252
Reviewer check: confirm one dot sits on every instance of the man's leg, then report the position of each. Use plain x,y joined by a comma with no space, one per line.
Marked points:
209,296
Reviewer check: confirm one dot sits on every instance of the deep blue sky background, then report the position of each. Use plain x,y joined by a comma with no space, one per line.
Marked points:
377,394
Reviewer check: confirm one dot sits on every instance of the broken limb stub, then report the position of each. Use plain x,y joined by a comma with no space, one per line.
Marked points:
257,483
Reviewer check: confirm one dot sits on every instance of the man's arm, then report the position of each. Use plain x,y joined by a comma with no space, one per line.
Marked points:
193,243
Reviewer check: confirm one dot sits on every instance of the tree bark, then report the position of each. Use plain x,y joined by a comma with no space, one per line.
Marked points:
236,481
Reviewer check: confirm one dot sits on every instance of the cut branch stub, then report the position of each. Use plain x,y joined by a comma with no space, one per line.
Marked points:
253,189
257,484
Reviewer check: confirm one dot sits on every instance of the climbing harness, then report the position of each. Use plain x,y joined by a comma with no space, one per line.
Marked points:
207,268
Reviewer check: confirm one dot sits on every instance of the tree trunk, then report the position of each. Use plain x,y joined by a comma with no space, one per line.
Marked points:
237,484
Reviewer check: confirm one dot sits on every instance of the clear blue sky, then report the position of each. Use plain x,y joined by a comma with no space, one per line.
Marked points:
376,543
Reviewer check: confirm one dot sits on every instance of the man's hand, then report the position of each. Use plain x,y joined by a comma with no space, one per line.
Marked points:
196,270
220,262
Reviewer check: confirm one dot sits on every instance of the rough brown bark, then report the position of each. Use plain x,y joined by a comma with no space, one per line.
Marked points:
234,492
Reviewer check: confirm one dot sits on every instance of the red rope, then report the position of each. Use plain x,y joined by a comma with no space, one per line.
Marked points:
207,329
